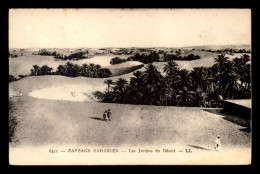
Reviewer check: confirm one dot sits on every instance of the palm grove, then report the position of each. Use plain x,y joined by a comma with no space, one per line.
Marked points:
73,70
201,87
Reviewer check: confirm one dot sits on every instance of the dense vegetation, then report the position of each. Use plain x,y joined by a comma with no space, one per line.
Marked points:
155,57
122,51
73,56
117,60
152,57
44,70
201,87
12,78
167,57
227,50
73,70
44,52
13,55
86,70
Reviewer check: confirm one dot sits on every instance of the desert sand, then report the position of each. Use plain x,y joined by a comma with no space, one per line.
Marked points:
44,114
61,112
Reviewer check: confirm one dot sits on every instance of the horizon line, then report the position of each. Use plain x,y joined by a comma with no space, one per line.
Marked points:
135,46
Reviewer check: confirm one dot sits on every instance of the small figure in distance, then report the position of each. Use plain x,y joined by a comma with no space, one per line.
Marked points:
217,146
20,93
105,115
109,114
73,93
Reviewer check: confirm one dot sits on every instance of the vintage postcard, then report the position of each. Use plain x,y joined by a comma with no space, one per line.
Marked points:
130,87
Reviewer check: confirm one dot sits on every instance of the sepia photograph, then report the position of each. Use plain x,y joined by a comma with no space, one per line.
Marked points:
130,86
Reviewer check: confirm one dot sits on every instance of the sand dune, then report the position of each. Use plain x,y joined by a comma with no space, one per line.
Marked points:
66,92
49,116
22,65
84,87
151,124
58,110
120,69
58,87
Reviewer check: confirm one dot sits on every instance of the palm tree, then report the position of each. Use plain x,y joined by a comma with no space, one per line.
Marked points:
152,83
229,78
221,60
136,88
201,98
185,94
171,68
220,68
96,70
120,89
185,78
99,95
61,70
201,77
36,70
247,77
242,69
152,75
92,69
45,70
121,85
137,79
108,82
185,97
85,70
72,70
245,58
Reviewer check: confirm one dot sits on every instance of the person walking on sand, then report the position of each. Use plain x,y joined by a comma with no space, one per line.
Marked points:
73,93
20,93
105,115
217,146
109,114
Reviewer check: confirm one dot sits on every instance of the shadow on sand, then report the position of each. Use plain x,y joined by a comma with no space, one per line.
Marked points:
245,123
198,147
245,129
91,98
97,118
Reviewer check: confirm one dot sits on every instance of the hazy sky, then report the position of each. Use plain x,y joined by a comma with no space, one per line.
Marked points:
29,28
